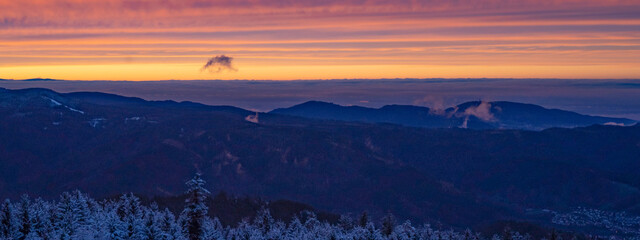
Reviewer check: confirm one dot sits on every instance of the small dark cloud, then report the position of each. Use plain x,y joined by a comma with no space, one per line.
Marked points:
219,63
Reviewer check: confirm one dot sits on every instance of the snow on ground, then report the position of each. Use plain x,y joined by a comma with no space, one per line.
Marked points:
74,110
56,103
96,121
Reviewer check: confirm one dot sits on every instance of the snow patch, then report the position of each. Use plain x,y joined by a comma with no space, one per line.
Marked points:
74,110
96,121
56,103
614,124
132,119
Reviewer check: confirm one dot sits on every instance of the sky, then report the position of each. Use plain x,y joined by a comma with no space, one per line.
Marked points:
319,39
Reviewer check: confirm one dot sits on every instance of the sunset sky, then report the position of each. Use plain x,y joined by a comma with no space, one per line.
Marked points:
313,39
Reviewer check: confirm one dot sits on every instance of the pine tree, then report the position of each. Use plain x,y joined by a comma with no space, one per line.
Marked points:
131,214
310,219
43,214
9,228
67,223
264,221
25,217
168,226
388,224
115,227
507,234
363,220
371,232
468,235
213,229
345,222
296,229
151,223
195,210
554,235
404,231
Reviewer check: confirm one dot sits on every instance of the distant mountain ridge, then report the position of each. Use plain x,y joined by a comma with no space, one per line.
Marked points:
474,115
31,79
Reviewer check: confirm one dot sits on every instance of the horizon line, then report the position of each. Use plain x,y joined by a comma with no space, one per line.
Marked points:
38,79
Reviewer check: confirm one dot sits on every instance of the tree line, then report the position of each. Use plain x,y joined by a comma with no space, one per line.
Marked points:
77,216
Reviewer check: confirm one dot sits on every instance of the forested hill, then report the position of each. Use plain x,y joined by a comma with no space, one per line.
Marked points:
107,145
474,115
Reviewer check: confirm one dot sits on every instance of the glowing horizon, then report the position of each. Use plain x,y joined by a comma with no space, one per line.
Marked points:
308,39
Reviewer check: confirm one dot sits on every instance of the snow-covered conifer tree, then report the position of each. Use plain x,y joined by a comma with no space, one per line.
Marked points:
43,216
195,210
9,223
213,229
130,213
388,224
363,220
170,229
25,217
152,223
